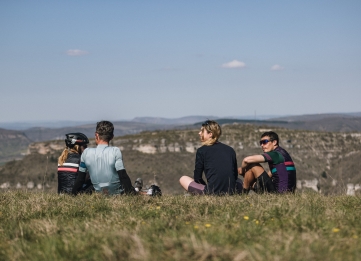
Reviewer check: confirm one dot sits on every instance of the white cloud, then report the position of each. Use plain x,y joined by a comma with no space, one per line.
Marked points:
76,52
234,64
277,67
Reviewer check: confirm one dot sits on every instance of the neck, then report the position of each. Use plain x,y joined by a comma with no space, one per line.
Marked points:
102,142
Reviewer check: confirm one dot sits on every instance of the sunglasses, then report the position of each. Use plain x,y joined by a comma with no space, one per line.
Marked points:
264,142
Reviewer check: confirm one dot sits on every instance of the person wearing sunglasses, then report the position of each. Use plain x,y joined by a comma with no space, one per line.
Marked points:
217,161
282,176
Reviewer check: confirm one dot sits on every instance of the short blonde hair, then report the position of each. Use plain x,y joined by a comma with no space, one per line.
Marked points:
214,128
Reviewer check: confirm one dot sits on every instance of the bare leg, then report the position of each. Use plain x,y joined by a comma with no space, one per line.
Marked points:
253,171
185,181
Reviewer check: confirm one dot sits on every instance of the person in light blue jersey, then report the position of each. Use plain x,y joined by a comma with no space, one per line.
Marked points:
105,165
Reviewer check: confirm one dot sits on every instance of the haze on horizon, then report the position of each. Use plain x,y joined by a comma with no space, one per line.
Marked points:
91,60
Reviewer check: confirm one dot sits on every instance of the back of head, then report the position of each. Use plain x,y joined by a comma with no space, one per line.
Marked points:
214,128
105,130
76,138
272,135
73,142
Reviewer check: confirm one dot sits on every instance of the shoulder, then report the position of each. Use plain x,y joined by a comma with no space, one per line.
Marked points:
202,149
284,153
115,149
87,150
73,158
275,156
272,153
224,146
281,150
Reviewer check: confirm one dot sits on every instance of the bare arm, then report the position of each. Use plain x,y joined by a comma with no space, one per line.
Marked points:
249,160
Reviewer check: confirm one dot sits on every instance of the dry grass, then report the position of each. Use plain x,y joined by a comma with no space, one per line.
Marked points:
37,226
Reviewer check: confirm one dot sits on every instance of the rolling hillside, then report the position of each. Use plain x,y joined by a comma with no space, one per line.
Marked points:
330,158
13,145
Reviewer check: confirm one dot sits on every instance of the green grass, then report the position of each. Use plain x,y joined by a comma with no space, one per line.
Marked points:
44,226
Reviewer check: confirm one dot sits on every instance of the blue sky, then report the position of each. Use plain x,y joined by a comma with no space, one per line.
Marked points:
93,60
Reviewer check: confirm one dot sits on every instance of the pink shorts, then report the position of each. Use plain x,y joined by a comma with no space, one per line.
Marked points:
196,188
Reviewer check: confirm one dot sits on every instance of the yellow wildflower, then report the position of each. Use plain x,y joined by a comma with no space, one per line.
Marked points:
207,225
335,230
246,217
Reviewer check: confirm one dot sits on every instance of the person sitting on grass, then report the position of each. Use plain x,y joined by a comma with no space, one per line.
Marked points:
282,176
68,163
105,166
217,161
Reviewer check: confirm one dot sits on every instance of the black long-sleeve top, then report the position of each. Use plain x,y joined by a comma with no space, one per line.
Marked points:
219,164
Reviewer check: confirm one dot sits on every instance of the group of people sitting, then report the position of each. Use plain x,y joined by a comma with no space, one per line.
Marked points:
101,169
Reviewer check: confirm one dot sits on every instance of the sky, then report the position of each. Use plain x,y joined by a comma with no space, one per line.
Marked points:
116,60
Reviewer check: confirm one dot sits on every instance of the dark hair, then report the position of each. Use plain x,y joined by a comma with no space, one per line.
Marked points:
105,130
272,135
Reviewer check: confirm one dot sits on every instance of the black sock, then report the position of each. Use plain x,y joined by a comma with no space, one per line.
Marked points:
265,184
245,191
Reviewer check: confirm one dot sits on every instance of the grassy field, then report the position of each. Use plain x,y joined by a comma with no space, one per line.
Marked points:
45,226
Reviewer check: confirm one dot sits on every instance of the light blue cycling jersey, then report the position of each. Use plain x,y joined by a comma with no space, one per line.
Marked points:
103,162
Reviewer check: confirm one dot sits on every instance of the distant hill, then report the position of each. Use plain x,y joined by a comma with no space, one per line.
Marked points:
176,121
335,123
13,145
44,124
314,117
120,129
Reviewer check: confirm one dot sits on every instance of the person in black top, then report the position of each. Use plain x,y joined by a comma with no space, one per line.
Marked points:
217,161
68,163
